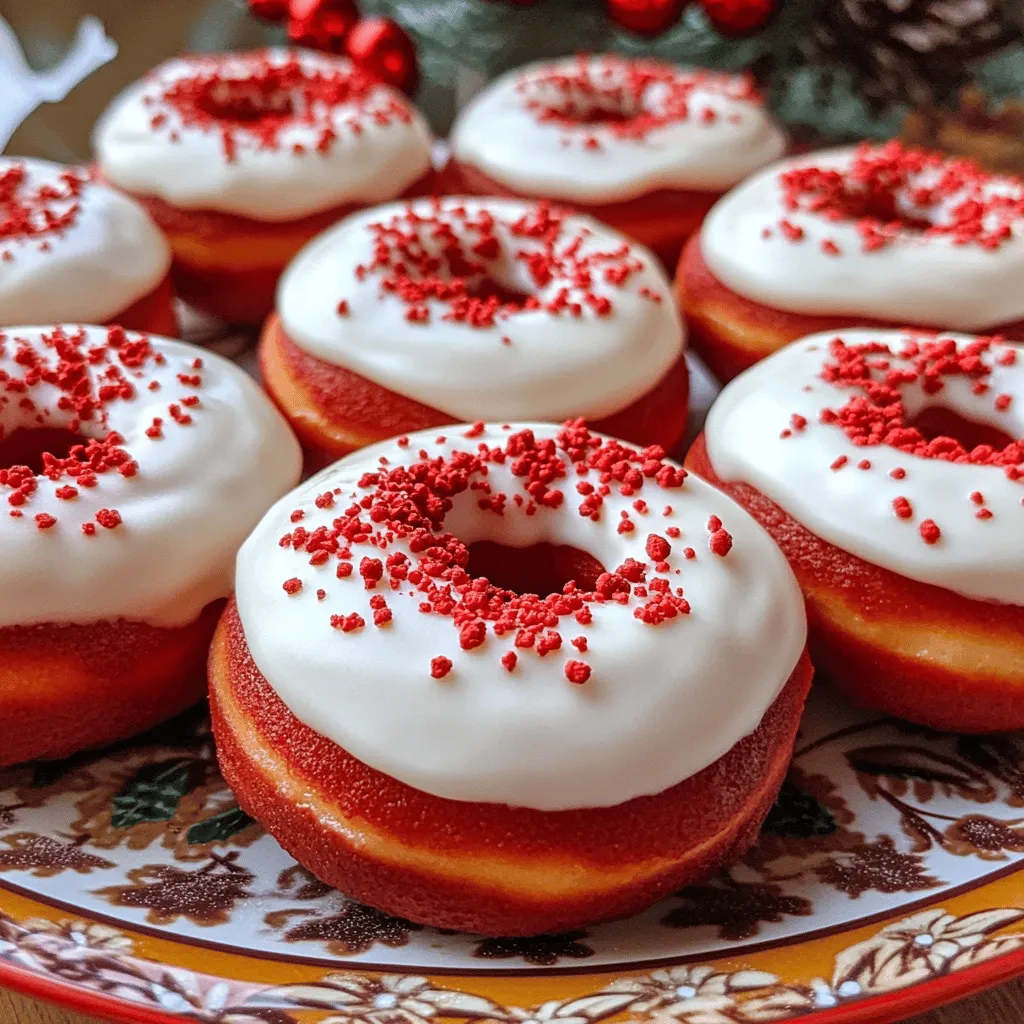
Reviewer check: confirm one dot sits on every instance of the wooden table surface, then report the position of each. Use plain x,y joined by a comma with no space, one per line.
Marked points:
1003,1005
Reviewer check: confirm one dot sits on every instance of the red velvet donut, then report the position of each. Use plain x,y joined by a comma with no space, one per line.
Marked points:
119,453
242,158
496,733
876,236
437,311
898,513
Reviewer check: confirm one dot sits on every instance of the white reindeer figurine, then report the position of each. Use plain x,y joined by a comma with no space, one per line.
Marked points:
22,89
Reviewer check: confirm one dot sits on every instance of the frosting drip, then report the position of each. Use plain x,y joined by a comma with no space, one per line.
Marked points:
176,453
273,135
71,248
604,129
828,429
486,308
875,231
360,611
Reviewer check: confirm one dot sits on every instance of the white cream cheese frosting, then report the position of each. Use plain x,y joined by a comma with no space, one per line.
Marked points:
545,129
370,632
185,454
70,247
394,294
273,135
779,238
954,524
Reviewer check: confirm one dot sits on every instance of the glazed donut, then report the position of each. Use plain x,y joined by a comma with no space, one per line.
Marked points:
132,468
241,158
885,465
435,311
643,145
868,236
427,686
74,249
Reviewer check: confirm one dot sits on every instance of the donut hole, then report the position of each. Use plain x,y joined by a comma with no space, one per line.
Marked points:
588,104
540,569
940,421
888,206
246,100
27,446
594,110
488,288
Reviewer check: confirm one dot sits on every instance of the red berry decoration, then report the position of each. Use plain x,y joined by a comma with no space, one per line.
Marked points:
735,18
269,10
646,17
382,48
321,24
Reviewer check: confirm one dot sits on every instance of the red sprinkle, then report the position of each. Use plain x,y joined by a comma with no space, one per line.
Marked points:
108,518
901,506
577,672
440,667
930,532
720,543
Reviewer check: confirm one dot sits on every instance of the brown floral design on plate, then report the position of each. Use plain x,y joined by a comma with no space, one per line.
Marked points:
45,856
205,896
355,928
540,950
981,836
737,909
876,866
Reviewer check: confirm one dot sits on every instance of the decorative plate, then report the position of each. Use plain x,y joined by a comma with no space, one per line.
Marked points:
889,878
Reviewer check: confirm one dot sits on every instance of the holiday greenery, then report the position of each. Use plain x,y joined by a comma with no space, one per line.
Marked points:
831,69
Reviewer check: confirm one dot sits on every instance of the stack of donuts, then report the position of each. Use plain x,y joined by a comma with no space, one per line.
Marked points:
499,624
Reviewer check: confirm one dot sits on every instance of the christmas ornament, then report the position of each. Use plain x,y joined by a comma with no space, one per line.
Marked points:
646,17
736,18
382,48
269,10
914,50
321,24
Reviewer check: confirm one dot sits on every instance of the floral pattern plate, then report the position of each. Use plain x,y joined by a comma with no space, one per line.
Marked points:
889,878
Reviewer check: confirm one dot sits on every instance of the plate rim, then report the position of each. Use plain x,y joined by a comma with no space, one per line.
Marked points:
894,1006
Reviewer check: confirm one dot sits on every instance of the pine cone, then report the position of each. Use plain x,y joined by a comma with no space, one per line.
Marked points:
906,50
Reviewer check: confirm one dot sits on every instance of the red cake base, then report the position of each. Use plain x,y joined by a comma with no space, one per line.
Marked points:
335,411
70,688
730,332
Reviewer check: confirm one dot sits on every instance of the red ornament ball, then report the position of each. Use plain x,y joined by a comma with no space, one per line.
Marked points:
646,17
321,24
382,48
736,18
269,10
